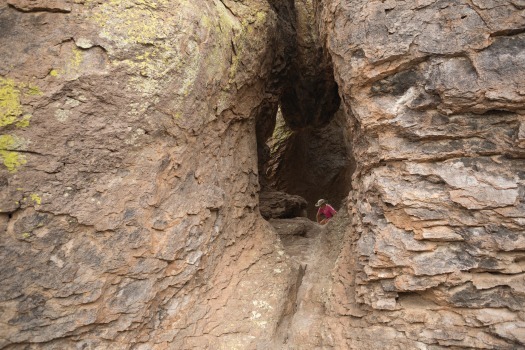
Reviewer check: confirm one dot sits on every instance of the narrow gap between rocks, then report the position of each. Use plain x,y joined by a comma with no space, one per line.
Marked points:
304,145
297,167
303,140
304,154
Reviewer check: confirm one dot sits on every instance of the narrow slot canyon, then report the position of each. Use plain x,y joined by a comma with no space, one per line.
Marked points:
303,138
304,154
160,162
296,168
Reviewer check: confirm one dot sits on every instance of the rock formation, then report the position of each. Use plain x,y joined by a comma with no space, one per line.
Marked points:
434,95
129,176
136,135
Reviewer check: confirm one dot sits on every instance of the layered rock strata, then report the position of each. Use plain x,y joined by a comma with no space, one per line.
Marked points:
434,93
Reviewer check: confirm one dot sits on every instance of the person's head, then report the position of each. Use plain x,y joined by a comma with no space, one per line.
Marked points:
320,203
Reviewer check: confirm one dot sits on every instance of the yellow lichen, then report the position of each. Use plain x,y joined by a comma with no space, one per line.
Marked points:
28,89
10,107
10,158
131,22
77,57
24,122
54,73
11,114
261,16
36,198
33,90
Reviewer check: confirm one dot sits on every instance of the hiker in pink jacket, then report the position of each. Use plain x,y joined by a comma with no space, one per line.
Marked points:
325,210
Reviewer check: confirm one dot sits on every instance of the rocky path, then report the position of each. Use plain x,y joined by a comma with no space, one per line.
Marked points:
309,246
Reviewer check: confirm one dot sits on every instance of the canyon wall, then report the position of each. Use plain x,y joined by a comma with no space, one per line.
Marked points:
129,175
434,92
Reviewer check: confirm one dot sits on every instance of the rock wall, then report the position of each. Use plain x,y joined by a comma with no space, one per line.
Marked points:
129,175
434,93
131,133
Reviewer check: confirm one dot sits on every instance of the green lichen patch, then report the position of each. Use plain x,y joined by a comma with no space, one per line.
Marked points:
72,65
77,58
24,122
128,22
12,114
33,90
10,106
139,26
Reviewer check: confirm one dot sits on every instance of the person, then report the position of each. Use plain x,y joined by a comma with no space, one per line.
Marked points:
325,210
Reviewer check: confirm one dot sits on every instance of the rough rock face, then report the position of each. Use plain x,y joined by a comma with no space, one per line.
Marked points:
309,94
132,139
434,92
129,175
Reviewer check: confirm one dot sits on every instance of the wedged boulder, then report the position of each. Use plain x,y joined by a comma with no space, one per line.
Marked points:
280,205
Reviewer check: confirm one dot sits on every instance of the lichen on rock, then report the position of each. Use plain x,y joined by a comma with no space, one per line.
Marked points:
12,115
11,159
142,128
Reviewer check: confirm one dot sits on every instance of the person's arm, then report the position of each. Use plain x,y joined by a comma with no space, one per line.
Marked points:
318,216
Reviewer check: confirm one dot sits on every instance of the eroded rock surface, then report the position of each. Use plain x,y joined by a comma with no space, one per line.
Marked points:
129,176
433,92
132,139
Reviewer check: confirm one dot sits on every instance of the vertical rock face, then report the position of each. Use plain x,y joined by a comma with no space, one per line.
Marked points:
435,93
129,175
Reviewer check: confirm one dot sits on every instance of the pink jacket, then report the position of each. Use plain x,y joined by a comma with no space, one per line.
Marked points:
327,211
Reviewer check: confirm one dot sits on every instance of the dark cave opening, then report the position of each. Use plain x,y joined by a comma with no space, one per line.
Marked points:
303,141
312,162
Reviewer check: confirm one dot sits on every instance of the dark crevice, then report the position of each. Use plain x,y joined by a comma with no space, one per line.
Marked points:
508,32
36,8
308,153
313,163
